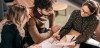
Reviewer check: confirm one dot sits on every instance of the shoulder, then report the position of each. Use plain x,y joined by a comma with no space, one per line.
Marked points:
76,12
9,28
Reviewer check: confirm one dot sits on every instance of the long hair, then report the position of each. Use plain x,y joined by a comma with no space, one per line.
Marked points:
16,12
15,15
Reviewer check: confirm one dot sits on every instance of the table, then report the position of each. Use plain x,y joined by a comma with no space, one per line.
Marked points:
57,6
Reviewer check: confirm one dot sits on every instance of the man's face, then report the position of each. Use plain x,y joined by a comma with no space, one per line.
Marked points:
46,12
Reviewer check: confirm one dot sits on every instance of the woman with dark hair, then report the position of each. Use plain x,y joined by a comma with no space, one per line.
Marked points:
13,31
83,21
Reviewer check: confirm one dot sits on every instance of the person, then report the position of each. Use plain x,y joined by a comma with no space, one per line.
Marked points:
13,31
83,21
41,25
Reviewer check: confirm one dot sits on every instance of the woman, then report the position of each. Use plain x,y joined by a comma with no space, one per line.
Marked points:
13,31
84,21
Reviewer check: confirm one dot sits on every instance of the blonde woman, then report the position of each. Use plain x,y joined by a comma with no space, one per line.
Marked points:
13,31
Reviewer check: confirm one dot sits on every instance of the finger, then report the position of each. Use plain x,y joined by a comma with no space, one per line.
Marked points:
58,37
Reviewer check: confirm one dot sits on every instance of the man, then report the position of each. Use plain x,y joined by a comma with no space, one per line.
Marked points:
41,25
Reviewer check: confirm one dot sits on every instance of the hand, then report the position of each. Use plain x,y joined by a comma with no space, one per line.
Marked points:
55,28
56,36
72,45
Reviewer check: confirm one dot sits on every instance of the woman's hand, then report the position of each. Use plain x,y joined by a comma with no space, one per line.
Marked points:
56,36
72,45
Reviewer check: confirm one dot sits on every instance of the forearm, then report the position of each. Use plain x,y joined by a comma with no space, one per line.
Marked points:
34,34
63,32
46,35
38,37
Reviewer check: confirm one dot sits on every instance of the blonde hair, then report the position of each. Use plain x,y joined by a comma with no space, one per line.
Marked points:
15,14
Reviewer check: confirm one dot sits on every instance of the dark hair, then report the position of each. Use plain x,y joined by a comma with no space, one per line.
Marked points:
92,6
45,4
42,4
